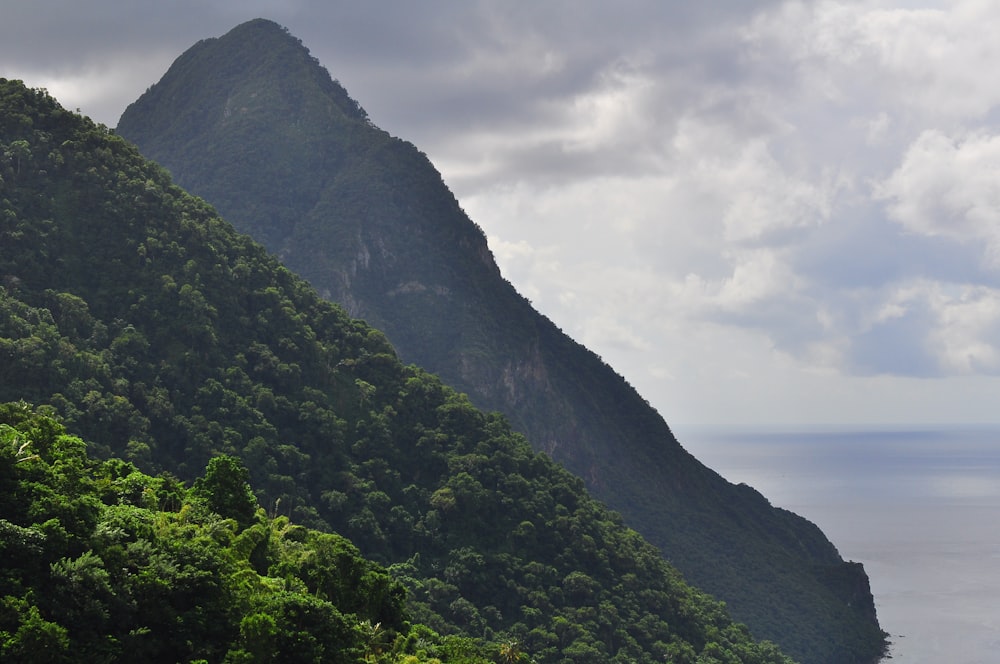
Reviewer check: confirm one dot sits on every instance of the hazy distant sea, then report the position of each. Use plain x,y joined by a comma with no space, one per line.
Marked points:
920,509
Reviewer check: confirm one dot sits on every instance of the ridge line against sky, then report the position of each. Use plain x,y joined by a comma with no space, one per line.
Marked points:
757,212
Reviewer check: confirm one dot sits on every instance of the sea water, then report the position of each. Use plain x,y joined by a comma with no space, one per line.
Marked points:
920,509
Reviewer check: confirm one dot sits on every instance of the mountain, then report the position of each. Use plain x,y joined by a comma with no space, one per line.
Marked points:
252,123
148,327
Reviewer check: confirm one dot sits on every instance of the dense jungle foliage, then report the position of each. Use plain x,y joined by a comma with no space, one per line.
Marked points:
104,563
252,123
152,330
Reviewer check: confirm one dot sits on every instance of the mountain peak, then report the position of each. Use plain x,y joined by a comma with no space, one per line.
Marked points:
256,66
156,332
261,26
263,101
370,223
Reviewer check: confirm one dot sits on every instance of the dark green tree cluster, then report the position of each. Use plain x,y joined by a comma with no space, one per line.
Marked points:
251,122
157,333
102,563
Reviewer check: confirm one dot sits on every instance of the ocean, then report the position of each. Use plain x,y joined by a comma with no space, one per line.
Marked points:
920,509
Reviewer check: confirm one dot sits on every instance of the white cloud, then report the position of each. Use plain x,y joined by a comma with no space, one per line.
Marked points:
950,188
102,90
757,197
968,332
933,61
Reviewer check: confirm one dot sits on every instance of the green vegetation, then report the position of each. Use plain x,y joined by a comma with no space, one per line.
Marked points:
253,124
141,321
103,563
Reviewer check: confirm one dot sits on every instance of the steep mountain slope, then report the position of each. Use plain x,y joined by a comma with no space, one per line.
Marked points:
253,124
157,332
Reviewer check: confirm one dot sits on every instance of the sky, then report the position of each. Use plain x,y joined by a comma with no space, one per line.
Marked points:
762,214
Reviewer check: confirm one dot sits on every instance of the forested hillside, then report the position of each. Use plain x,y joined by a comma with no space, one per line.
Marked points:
104,563
252,123
131,312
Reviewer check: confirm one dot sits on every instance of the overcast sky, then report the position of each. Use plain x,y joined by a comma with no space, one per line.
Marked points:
760,213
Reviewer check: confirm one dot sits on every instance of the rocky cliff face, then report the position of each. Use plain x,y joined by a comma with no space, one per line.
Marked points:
254,125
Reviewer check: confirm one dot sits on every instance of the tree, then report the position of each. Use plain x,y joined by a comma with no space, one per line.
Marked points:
226,490
35,639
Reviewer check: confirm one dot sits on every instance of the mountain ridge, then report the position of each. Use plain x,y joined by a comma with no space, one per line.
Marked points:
163,337
370,223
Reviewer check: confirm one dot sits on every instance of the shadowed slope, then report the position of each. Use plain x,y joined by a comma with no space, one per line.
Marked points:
253,124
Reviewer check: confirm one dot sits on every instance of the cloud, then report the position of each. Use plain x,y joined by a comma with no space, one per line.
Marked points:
753,210
967,335
949,188
936,61
760,200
